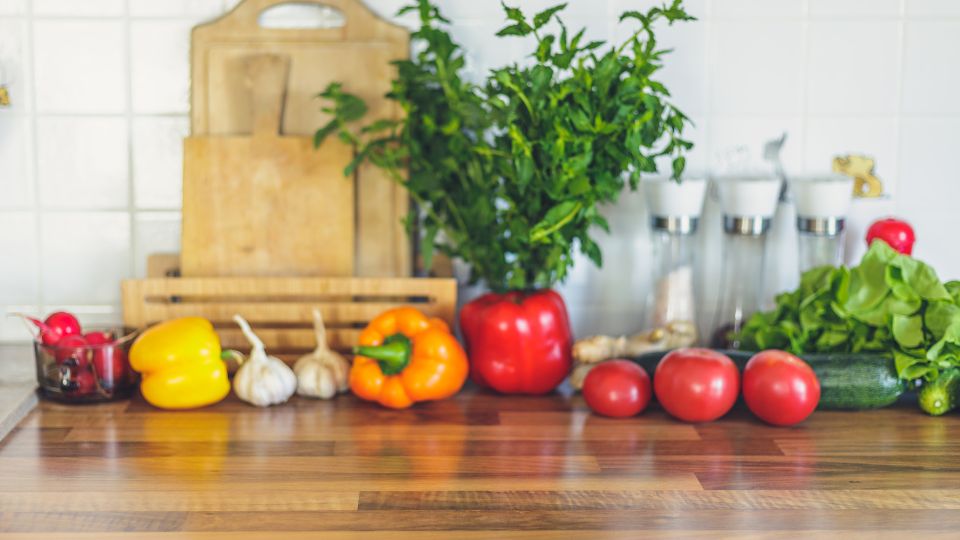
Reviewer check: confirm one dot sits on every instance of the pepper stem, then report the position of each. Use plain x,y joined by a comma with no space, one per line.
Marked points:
393,355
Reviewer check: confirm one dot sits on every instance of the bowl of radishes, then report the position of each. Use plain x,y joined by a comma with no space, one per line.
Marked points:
77,365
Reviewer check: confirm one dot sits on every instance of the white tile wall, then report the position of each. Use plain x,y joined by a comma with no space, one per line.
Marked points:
851,76
90,153
12,7
933,8
158,160
872,136
82,162
160,61
83,256
753,9
14,52
757,67
859,9
16,182
18,238
931,78
155,232
176,8
80,66
81,8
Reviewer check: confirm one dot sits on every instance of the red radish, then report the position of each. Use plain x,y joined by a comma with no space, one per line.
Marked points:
63,323
98,338
48,336
82,384
898,234
73,346
57,326
110,364
109,361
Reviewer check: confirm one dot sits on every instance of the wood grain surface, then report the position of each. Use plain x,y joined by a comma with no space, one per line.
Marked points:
280,309
359,55
477,467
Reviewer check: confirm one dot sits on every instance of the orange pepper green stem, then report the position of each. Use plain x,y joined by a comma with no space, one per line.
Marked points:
405,357
393,355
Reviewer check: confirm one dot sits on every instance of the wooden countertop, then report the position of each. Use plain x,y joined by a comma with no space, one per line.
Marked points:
482,465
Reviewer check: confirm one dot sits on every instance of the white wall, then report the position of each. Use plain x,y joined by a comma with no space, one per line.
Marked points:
90,150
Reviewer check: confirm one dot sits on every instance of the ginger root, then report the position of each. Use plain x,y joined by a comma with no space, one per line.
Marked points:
590,351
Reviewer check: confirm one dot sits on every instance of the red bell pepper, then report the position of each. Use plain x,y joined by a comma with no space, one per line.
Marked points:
518,342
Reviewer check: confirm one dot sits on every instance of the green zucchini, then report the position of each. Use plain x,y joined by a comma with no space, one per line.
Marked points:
940,396
847,381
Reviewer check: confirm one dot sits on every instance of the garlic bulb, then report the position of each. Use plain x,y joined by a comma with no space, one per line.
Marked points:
262,380
322,373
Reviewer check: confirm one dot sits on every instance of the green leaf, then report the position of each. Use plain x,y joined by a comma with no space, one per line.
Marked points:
868,284
525,169
679,163
939,316
642,17
922,279
427,246
510,167
908,331
519,29
380,125
324,132
592,251
544,16
514,14
558,216
544,47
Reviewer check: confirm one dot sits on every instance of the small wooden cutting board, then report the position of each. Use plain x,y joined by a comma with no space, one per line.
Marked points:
266,204
357,54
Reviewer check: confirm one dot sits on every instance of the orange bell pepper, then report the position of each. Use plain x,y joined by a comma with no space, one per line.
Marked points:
405,357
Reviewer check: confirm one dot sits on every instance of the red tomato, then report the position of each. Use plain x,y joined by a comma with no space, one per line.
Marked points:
780,388
898,234
617,388
696,385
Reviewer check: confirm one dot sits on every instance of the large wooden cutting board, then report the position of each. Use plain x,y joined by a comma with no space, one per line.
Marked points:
266,204
358,54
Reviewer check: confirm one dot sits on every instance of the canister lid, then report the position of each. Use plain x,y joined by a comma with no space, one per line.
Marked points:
749,196
668,199
824,196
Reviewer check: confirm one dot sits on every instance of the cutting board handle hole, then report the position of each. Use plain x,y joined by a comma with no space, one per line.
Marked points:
301,16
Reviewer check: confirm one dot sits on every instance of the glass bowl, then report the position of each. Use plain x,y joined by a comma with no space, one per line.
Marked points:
87,373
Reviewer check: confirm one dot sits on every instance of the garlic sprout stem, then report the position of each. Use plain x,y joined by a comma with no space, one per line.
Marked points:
248,333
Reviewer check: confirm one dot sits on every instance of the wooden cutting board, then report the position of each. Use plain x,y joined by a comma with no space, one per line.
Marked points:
358,54
266,204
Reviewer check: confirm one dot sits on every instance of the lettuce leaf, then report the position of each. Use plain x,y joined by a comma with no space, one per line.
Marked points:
888,303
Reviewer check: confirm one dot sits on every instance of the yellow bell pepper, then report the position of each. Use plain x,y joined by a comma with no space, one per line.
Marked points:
181,364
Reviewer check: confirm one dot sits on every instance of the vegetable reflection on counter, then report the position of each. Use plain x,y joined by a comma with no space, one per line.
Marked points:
405,357
890,303
181,364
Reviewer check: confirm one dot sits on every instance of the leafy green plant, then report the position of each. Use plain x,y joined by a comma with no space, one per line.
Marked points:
888,303
508,173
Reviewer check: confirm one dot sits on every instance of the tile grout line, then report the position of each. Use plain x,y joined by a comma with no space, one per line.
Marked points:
898,119
131,184
35,154
708,116
804,89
